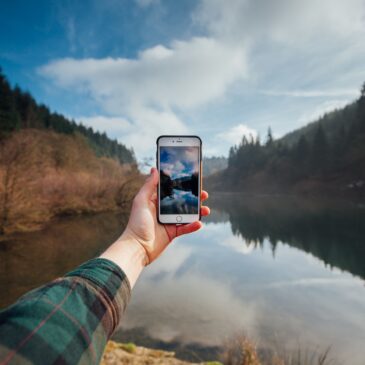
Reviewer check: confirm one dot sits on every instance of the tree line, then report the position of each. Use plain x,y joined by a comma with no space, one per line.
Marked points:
316,227
19,110
332,145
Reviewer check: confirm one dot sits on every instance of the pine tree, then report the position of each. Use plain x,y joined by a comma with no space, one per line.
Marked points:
361,110
319,150
18,109
9,118
269,138
301,150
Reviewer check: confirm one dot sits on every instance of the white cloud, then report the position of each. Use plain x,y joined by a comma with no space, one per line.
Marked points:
188,74
313,93
285,20
235,134
111,125
148,89
291,48
148,124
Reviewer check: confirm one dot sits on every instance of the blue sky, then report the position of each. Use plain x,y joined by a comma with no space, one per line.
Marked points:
217,68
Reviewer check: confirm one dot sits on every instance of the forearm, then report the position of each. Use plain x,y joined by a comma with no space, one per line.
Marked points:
129,255
68,320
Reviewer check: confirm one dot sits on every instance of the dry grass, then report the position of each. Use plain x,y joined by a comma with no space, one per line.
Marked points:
240,350
45,174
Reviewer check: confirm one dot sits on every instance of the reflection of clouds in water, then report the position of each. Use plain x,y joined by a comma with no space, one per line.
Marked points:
180,197
239,244
203,290
236,243
169,262
181,202
195,309
189,307
315,282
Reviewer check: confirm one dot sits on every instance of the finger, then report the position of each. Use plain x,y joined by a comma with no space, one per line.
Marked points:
188,228
153,199
204,195
204,210
150,184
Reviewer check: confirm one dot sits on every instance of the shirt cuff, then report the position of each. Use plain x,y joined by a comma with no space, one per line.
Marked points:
110,281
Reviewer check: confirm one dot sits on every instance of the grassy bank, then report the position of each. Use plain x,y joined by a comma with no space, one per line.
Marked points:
44,174
239,351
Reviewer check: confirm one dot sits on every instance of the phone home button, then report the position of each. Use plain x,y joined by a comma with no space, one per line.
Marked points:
178,218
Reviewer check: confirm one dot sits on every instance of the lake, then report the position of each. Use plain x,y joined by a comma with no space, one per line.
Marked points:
182,202
288,273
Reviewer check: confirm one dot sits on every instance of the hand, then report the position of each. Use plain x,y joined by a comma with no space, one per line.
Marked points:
144,227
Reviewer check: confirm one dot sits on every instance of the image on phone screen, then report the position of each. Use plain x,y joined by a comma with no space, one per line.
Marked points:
179,180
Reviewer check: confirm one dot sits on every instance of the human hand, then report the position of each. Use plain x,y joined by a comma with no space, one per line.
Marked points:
144,227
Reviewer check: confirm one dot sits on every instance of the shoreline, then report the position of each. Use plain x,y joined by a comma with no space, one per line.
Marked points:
31,226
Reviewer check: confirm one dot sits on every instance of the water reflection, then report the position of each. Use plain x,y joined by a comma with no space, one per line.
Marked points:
332,231
251,270
282,270
31,259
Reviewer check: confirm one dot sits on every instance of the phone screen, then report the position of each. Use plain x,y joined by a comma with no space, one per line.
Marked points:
179,179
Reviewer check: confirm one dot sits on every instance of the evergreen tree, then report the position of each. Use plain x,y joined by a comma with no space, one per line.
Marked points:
269,138
319,150
18,109
301,150
361,110
9,118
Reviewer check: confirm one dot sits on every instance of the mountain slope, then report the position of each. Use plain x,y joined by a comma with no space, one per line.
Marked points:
325,157
50,166
19,110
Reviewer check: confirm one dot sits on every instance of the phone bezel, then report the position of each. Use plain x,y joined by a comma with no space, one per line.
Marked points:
171,218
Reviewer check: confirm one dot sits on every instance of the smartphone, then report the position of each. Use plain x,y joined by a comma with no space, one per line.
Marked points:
179,189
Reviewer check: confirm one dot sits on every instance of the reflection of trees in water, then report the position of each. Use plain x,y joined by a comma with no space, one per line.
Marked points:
31,259
186,183
331,231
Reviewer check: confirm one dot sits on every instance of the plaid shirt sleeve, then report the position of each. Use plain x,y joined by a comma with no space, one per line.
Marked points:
67,321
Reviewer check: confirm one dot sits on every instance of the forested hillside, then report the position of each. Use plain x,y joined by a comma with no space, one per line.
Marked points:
211,165
326,157
50,166
19,110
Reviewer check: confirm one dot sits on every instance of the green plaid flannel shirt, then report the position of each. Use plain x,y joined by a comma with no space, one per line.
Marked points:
67,321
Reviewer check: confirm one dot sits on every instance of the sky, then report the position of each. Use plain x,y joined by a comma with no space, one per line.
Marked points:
220,69
179,162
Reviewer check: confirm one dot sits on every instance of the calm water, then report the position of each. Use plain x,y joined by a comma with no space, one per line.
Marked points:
283,271
183,202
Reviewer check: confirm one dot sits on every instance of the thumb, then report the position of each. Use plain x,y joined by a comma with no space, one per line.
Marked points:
150,184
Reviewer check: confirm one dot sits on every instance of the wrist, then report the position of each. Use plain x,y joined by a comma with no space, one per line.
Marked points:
129,255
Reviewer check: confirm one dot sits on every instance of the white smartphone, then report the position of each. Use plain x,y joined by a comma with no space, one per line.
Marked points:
179,189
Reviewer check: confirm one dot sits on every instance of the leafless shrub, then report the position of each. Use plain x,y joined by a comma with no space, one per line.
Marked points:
44,174
240,350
